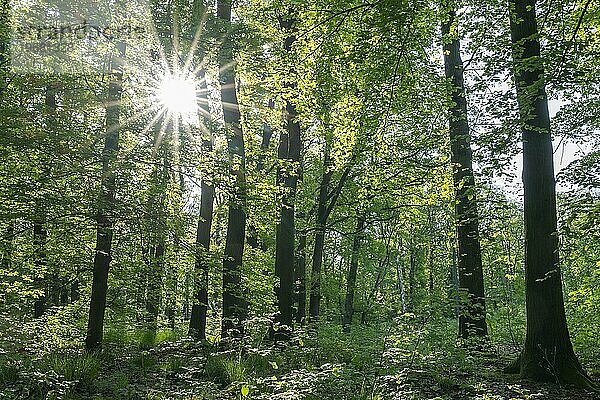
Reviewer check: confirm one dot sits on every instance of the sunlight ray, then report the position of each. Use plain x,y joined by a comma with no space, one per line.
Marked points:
161,132
230,106
153,121
137,115
195,42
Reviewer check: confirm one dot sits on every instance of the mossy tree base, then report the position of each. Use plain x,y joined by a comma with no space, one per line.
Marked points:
562,368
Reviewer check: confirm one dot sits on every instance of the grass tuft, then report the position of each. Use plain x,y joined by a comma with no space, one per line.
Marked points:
83,368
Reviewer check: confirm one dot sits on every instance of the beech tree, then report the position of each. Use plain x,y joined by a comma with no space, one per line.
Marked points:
207,194
289,151
106,205
470,270
234,305
352,271
548,353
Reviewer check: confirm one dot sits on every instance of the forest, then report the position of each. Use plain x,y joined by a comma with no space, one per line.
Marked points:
292,199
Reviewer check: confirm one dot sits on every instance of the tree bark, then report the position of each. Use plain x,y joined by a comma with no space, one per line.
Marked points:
74,291
411,277
197,328
470,271
317,258
234,304
40,237
400,277
40,234
454,292
286,231
106,204
267,133
352,272
199,310
548,353
157,237
300,275
155,280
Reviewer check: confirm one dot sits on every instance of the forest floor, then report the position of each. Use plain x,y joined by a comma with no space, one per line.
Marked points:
415,361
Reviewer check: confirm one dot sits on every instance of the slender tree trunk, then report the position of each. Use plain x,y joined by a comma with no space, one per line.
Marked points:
301,277
172,279
157,205
411,277
54,284
171,285
253,239
74,293
470,271
40,237
142,286
234,304
400,278
455,292
154,294
286,232
7,246
106,204
46,283
352,271
431,266
317,258
199,310
548,353
197,328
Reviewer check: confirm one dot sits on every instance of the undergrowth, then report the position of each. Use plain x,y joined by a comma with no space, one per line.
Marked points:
407,358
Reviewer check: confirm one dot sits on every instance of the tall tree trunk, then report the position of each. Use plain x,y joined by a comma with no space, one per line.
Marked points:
172,278
54,284
412,270
48,284
155,281
286,232
400,278
352,271
157,212
470,271
106,204
234,304
430,272
455,293
200,308
317,257
197,328
267,133
40,237
300,275
548,353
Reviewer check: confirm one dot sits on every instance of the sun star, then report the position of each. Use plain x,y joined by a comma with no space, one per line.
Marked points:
177,94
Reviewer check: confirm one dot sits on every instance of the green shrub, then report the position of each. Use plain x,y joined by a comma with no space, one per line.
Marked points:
83,368
164,335
9,371
144,361
226,369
